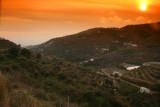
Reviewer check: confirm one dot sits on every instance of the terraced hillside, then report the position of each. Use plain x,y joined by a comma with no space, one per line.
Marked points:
128,86
144,76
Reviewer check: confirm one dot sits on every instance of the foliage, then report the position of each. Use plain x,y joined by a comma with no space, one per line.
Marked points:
33,83
38,56
27,53
14,51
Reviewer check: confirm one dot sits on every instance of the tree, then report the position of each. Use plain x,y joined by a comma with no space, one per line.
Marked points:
14,51
27,53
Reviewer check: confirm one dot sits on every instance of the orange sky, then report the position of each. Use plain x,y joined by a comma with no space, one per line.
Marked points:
30,22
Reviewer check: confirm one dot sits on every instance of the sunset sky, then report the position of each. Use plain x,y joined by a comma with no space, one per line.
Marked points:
30,22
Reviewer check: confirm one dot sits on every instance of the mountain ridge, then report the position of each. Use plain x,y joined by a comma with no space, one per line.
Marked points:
95,42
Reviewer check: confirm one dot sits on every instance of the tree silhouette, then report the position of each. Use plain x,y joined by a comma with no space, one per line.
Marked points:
27,53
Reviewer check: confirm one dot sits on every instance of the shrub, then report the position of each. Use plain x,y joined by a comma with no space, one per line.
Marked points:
16,67
27,53
2,57
5,69
14,52
38,56
41,94
62,76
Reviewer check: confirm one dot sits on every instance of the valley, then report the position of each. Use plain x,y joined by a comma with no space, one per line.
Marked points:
100,67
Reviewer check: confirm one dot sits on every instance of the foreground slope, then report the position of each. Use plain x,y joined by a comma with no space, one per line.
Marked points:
29,79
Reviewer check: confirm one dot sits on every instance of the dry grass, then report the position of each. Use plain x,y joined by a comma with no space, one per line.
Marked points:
4,99
22,98
18,97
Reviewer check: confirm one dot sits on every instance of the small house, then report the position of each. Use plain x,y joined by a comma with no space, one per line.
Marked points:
130,66
92,60
145,90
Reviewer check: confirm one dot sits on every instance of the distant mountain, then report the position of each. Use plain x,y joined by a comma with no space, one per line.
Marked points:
107,46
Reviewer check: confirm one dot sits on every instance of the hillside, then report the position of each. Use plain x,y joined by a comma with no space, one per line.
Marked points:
6,44
146,76
107,46
29,79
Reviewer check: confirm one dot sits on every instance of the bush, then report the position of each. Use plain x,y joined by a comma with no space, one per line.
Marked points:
41,94
5,69
38,56
14,52
2,57
97,100
62,76
27,53
16,67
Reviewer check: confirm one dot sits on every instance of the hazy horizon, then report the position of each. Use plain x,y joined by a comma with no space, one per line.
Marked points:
44,39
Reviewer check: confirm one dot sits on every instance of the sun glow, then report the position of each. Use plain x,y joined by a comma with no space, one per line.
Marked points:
143,7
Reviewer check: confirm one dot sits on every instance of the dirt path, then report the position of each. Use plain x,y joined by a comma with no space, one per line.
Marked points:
106,74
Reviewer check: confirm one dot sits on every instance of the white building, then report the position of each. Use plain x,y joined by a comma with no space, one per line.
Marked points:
145,90
133,67
92,60
130,66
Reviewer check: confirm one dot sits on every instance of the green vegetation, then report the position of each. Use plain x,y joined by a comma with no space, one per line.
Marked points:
27,53
32,79
131,94
29,81
39,56
14,52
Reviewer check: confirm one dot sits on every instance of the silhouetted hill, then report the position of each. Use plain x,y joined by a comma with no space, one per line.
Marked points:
6,44
132,43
